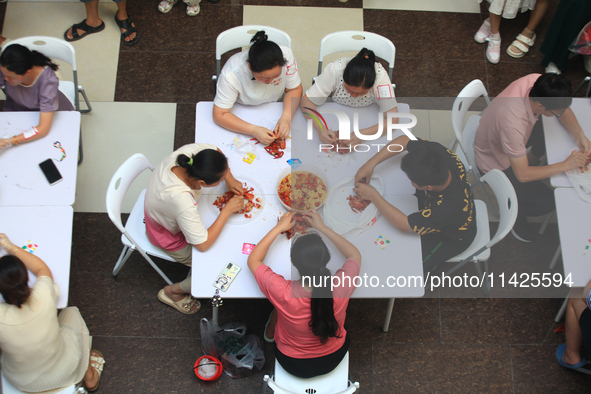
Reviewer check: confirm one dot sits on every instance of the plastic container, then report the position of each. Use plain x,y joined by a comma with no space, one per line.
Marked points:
306,168
213,360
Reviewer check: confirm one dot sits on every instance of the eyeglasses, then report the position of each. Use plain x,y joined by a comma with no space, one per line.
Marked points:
557,115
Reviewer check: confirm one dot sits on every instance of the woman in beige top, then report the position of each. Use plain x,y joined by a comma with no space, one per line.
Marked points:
41,350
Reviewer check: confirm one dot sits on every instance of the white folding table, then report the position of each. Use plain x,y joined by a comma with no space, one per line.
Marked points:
21,180
402,257
47,231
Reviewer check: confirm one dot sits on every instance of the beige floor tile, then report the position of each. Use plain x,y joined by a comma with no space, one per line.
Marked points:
306,27
111,133
97,55
470,6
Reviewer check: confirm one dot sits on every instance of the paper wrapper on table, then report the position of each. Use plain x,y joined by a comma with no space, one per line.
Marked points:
580,179
338,214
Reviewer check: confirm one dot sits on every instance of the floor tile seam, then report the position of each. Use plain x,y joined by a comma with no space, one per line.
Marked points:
511,368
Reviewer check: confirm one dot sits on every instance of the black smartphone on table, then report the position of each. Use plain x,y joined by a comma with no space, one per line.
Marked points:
51,172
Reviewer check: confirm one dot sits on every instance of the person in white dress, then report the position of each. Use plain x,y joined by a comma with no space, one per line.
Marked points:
356,82
264,73
41,350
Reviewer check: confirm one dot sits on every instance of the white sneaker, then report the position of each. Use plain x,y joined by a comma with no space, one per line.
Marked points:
552,69
493,51
483,33
166,5
193,10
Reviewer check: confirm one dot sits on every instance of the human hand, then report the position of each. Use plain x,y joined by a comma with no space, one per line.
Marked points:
575,160
327,136
364,174
235,204
282,128
284,223
5,143
264,135
366,192
5,243
584,145
314,219
234,185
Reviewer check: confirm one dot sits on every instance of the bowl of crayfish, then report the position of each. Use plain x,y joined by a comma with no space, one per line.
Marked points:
302,188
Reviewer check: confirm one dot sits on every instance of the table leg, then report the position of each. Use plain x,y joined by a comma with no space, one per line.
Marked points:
388,314
562,309
214,317
555,258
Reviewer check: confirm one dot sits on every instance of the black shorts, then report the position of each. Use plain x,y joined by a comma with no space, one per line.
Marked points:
311,367
585,323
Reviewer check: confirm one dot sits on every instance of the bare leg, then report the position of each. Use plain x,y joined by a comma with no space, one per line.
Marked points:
270,333
175,293
535,18
92,17
495,23
122,15
572,330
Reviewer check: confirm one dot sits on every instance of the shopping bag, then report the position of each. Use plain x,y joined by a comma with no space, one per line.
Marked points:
241,355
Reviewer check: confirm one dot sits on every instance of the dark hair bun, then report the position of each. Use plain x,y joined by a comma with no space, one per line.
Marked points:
183,161
260,36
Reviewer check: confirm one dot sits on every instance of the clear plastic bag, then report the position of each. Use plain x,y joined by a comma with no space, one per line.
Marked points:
580,179
241,355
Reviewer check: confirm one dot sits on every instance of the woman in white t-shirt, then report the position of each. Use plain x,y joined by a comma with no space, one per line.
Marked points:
172,219
261,74
41,349
356,82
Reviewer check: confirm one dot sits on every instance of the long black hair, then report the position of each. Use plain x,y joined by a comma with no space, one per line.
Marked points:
19,59
361,70
14,279
264,55
310,255
208,165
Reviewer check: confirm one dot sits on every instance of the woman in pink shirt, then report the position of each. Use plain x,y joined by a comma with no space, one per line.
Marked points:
308,321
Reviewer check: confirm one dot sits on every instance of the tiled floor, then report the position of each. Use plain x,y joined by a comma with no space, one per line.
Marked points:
145,99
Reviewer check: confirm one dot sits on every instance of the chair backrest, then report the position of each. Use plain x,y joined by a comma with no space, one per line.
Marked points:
507,200
240,36
54,48
351,40
462,103
123,178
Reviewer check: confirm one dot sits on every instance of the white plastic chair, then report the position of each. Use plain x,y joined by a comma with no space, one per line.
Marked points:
479,250
334,382
134,232
351,40
56,48
465,134
8,388
239,37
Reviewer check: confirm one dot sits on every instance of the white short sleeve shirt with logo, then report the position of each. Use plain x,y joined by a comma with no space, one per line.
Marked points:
236,83
330,84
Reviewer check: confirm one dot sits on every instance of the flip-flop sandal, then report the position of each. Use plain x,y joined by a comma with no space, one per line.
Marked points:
129,30
523,43
85,28
183,306
560,358
97,363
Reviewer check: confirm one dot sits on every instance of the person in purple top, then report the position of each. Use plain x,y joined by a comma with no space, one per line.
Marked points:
30,84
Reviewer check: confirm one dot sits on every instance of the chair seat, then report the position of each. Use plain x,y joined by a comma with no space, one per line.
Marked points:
482,235
332,382
8,388
136,228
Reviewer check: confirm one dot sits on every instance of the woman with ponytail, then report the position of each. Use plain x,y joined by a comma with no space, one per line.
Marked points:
307,324
261,74
29,81
172,219
356,82
41,350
